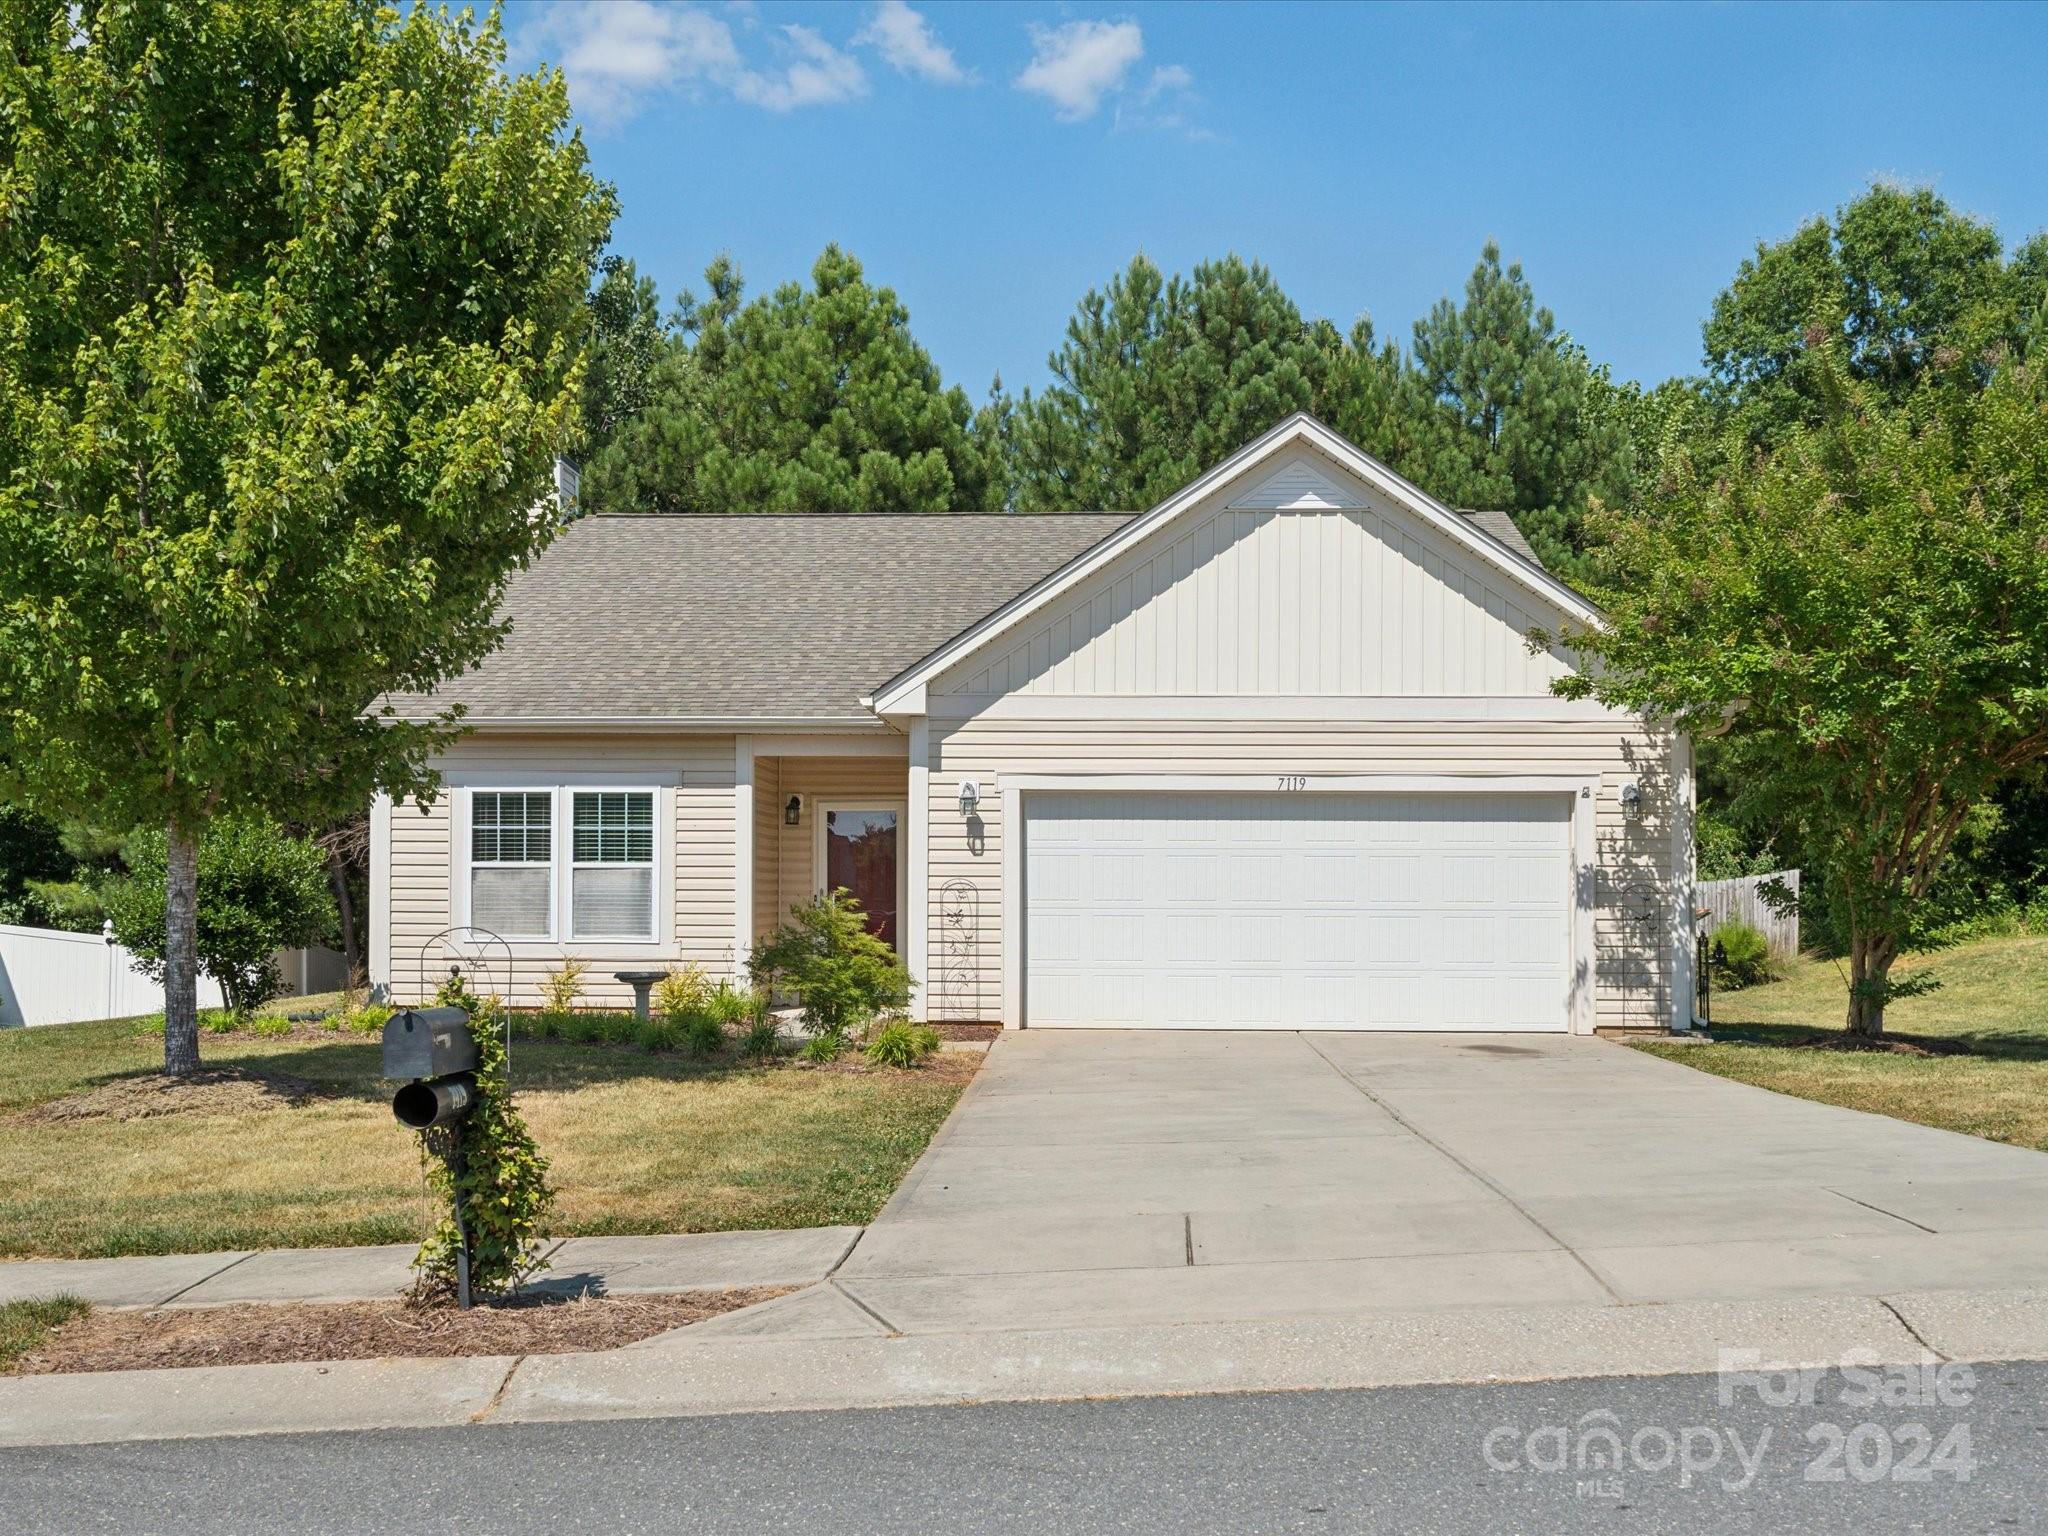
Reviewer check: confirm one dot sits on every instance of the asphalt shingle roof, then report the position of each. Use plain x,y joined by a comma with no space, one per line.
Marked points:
745,617
774,617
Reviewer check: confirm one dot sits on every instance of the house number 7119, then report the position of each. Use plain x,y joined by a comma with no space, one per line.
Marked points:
1294,781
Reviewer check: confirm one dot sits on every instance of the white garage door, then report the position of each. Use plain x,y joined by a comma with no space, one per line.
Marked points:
1297,911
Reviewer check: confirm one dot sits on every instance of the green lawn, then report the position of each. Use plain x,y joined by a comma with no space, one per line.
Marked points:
24,1325
638,1143
1993,1000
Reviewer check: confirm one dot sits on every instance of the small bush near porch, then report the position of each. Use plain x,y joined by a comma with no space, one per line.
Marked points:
301,1150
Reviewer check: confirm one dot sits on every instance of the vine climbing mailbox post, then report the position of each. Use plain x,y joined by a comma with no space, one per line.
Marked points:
432,1053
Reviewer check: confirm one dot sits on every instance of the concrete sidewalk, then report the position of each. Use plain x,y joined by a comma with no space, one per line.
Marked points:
619,1266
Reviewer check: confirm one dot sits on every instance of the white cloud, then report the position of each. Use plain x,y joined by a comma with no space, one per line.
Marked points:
905,38
1074,66
1168,77
1166,103
619,53
817,75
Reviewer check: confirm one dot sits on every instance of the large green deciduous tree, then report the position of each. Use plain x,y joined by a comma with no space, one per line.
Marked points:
1867,603
1160,378
807,400
290,305
627,341
1904,278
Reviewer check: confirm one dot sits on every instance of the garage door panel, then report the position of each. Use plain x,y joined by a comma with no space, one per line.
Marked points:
1311,911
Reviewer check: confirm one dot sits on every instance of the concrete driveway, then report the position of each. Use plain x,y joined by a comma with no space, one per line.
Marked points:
1108,1178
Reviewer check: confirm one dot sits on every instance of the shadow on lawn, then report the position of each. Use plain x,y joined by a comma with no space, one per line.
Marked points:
1992,1045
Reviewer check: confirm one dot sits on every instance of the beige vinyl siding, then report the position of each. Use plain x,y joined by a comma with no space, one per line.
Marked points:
883,780
768,798
1245,601
426,861
1636,888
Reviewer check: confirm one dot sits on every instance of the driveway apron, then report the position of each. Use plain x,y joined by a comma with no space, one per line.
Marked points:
1103,1178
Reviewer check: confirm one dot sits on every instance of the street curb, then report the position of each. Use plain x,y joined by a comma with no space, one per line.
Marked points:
679,1376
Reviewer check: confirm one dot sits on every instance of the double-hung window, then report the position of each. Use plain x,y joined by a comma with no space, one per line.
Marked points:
523,872
511,862
611,870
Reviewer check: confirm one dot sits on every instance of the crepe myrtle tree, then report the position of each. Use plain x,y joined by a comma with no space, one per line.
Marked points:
1866,606
291,303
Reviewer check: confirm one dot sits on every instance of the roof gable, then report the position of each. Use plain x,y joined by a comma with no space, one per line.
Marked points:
1300,466
1331,594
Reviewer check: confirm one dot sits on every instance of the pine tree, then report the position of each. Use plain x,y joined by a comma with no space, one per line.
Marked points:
1510,414
1159,379
808,400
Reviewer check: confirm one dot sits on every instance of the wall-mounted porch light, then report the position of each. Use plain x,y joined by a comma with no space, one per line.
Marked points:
970,796
793,811
1632,801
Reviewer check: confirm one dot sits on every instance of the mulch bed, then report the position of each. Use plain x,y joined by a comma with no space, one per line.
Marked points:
210,1091
278,1333
947,1066
1894,1045
968,1031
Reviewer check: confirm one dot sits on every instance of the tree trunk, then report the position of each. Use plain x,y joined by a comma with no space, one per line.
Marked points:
337,876
1870,964
181,952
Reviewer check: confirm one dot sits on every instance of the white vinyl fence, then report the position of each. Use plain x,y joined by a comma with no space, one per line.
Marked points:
51,977
1741,900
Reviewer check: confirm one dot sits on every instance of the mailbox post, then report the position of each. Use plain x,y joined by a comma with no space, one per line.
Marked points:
433,1056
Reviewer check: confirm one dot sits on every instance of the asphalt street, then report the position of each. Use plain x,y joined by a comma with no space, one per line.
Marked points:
1955,1449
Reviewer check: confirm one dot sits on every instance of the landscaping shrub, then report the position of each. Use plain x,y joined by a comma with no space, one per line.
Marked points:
1741,957
259,891
273,1027
762,1040
218,1021
824,1045
682,991
659,1034
561,989
151,1024
900,1043
702,1035
369,1019
842,975
734,1007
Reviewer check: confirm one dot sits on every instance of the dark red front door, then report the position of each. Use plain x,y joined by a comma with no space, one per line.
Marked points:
860,856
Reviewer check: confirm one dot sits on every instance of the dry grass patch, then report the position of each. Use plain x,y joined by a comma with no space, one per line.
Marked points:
1977,1057
272,1334
638,1143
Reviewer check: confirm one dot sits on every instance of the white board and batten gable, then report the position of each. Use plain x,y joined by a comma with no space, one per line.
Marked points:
1298,569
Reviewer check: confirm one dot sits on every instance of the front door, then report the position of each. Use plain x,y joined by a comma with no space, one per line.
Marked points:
860,855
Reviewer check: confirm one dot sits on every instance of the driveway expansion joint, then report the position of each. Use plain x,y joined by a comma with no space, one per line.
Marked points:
1895,1216
186,1289
887,1327
1441,1150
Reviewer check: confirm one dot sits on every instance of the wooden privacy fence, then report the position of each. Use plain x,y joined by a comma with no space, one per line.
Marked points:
1742,900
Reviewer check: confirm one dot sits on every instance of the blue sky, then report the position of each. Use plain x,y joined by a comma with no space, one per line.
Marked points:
991,162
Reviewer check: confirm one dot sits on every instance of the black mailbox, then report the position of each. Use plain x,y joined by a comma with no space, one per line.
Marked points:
433,1050
428,1042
